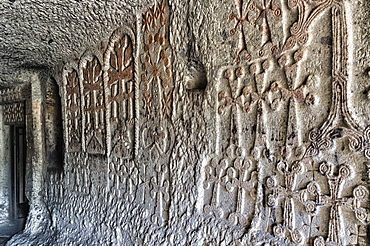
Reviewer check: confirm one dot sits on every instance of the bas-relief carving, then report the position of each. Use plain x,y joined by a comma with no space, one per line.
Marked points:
156,137
15,94
73,116
268,172
93,104
120,94
14,114
261,101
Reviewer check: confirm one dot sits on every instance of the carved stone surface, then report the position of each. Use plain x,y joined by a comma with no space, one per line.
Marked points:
93,106
72,105
120,94
14,114
273,151
15,94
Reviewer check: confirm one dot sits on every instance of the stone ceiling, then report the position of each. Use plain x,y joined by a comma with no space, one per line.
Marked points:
44,34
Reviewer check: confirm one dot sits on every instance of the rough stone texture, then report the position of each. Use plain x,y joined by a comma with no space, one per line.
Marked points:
205,123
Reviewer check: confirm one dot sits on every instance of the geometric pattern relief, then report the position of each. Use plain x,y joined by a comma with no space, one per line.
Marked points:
287,148
156,86
72,110
93,105
15,94
14,114
120,94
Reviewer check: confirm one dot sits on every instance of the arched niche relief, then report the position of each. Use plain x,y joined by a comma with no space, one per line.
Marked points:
72,108
120,94
92,104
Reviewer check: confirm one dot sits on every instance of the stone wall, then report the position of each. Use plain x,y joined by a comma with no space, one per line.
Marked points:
216,123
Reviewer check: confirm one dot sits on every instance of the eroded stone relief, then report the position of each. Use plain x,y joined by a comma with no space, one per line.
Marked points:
14,114
268,153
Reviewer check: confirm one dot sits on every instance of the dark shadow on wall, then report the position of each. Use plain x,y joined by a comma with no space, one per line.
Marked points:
54,146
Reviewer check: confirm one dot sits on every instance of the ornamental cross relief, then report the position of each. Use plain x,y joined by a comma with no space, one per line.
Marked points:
269,84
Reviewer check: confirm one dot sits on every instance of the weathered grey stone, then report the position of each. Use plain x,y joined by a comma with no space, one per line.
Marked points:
193,122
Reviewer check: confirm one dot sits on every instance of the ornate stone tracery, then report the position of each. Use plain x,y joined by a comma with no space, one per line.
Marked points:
262,169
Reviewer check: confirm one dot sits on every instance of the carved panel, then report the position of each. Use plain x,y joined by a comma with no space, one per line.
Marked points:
72,102
120,95
15,94
93,105
156,106
269,153
14,114
156,76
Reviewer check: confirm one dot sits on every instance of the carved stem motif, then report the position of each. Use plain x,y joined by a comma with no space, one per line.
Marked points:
340,122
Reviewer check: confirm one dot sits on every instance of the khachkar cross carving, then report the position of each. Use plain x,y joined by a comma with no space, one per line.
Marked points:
258,12
120,94
156,63
335,202
238,180
130,176
123,178
236,99
245,93
93,105
254,14
289,193
160,193
73,111
232,175
294,93
239,21
214,178
261,12
116,169
340,122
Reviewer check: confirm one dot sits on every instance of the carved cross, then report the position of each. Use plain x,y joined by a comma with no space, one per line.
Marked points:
239,20
237,176
215,175
288,193
73,111
120,75
361,235
293,94
143,182
160,192
94,106
73,91
261,13
116,176
334,201
129,175
235,98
